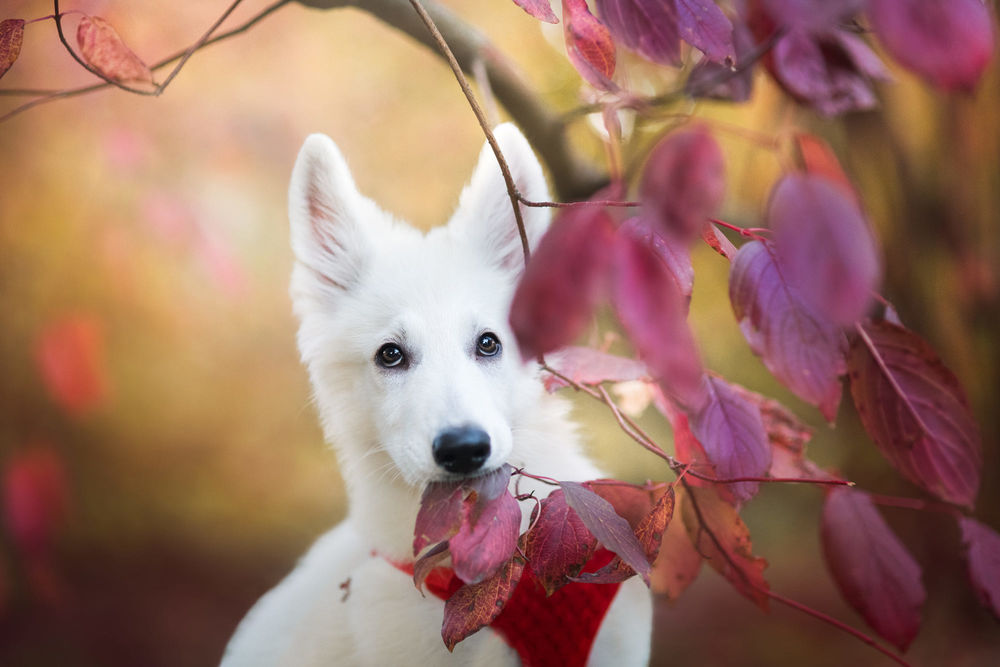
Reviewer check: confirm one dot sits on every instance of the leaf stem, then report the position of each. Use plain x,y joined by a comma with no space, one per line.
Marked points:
753,233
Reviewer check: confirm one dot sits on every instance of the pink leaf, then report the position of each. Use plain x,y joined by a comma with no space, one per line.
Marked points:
612,531
871,567
559,544
102,48
803,350
948,42
589,45
648,28
11,38
71,360
982,555
35,498
563,281
683,182
730,429
825,247
914,409
486,538
474,606
704,26
439,516
586,365
652,312
716,80
540,9
718,242
673,253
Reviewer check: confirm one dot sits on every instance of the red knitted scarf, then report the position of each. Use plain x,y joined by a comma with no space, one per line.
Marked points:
545,631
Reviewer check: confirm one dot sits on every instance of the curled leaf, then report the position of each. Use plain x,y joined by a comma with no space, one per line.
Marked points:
474,606
871,567
589,45
11,38
915,410
103,49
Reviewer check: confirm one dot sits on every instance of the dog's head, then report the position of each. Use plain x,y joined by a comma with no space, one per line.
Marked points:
414,367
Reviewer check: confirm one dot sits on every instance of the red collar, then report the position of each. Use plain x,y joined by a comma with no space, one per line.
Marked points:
555,630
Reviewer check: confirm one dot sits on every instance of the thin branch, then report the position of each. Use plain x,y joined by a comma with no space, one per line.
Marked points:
197,45
577,204
484,123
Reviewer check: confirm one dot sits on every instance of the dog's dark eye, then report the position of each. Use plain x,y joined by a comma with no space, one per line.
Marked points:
389,355
488,345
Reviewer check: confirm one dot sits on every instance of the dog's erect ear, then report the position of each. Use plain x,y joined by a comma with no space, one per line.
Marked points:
484,212
324,208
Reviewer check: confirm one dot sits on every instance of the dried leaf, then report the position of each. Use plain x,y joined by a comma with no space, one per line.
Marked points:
804,350
71,360
589,45
559,544
949,43
678,562
11,38
104,50
982,555
612,531
474,606
683,182
652,312
563,281
915,410
731,431
540,9
585,365
824,246
722,538
871,567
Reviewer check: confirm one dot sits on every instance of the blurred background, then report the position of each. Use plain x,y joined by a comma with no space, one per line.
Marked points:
161,462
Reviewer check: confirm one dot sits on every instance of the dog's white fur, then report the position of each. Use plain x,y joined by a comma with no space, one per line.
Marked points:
362,279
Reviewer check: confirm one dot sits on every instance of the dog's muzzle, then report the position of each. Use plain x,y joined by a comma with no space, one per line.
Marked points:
461,449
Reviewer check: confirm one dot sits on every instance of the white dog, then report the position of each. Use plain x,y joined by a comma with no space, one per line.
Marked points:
418,378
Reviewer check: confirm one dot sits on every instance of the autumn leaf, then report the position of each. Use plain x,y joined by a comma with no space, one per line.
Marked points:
563,281
35,498
804,350
674,253
70,353
585,365
825,247
611,530
540,9
104,50
484,542
474,606
982,557
11,38
678,563
871,567
718,242
816,157
589,45
439,515
719,534
949,43
654,28
915,410
631,502
683,182
559,544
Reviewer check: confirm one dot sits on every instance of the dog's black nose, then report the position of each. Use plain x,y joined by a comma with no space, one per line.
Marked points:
461,449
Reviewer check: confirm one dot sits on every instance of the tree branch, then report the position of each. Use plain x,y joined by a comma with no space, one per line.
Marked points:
573,177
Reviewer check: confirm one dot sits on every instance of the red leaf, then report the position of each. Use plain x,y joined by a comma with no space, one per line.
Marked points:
71,360
435,557
559,544
563,281
982,555
11,38
871,567
731,431
825,246
678,562
914,409
688,450
484,542
683,182
103,49
631,502
818,158
585,365
719,534
803,350
649,28
652,312
948,42
540,9
589,45
474,606
35,498
673,253
718,241
612,531
439,516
